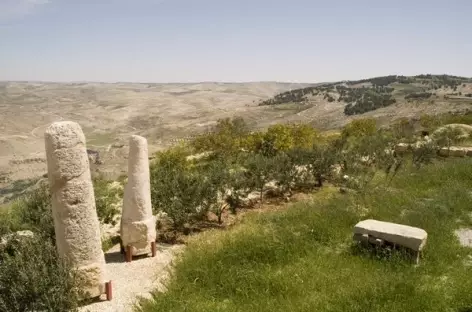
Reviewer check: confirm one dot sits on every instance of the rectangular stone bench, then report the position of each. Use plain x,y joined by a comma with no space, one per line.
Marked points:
379,232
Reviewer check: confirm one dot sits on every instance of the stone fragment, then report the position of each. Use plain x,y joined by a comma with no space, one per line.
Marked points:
455,151
138,225
73,205
16,236
465,236
402,148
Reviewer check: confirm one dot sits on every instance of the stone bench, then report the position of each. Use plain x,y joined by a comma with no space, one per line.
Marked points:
379,233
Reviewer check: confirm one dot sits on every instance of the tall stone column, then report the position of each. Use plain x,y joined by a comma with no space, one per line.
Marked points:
138,225
73,204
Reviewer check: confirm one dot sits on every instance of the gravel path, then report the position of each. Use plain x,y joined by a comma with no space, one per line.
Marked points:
135,279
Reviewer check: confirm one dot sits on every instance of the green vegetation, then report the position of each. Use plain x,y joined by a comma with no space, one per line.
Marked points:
384,80
418,96
303,259
107,197
295,96
362,100
373,93
442,81
269,260
32,278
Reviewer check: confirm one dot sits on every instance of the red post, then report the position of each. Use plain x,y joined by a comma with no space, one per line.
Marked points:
108,291
129,254
153,249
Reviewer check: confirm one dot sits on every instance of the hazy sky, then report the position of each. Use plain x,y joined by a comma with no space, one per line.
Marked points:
232,40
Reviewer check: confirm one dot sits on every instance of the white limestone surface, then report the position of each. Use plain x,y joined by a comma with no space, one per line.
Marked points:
73,204
404,235
138,225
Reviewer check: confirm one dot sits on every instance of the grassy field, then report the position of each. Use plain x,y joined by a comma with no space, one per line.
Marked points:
302,258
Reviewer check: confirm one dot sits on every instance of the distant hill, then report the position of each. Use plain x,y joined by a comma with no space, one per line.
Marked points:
361,96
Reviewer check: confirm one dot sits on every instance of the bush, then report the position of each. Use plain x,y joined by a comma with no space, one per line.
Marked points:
33,212
403,129
284,137
418,96
32,278
286,172
215,188
359,128
177,188
106,199
260,170
225,138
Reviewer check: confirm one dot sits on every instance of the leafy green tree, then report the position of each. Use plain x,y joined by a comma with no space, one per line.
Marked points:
286,172
304,135
238,188
177,187
360,128
323,157
277,138
259,171
369,154
226,137
177,191
216,187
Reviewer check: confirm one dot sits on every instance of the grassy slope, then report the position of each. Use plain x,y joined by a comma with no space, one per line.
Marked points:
302,258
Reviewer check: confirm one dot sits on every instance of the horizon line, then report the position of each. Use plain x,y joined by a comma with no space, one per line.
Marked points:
215,81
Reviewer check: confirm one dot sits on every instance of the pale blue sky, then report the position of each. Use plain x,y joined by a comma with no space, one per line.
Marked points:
232,40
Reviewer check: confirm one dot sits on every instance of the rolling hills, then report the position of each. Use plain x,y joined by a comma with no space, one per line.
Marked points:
110,112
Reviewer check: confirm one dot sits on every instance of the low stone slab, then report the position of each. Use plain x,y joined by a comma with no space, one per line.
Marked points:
398,234
453,151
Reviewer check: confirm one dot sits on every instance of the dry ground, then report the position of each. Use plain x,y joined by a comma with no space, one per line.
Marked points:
110,112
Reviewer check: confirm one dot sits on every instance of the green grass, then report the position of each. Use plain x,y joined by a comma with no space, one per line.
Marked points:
303,258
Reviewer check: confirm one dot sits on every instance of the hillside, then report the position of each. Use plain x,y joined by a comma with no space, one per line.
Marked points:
381,96
109,113
165,113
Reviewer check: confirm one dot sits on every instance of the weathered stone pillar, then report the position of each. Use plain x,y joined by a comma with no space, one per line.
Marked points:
138,225
73,204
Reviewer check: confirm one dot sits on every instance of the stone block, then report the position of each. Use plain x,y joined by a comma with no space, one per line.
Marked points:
398,234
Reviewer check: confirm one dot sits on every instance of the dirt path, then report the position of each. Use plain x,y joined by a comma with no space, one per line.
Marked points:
135,279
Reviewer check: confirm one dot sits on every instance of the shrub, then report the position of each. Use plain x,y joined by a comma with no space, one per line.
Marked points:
418,95
176,187
106,198
260,169
215,188
359,128
33,278
430,122
323,157
448,136
225,138
33,212
403,129
287,172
